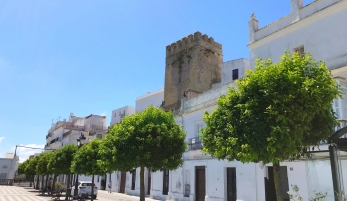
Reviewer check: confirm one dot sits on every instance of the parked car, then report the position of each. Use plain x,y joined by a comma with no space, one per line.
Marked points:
86,188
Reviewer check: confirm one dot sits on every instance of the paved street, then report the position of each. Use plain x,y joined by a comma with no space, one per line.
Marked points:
23,193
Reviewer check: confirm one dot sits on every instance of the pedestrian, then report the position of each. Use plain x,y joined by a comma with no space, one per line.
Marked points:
109,186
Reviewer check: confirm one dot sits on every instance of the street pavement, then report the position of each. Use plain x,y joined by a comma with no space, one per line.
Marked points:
25,193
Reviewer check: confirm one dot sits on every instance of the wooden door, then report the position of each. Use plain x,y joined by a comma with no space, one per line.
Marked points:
231,184
122,182
200,183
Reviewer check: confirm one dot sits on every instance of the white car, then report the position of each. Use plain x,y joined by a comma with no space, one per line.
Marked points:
85,187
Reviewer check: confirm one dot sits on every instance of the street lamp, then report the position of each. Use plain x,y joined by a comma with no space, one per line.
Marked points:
80,141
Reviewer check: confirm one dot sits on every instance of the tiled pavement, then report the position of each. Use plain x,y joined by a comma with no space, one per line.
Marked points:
24,193
15,193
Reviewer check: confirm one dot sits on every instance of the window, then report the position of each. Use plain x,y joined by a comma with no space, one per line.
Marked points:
300,49
235,74
165,182
133,179
198,127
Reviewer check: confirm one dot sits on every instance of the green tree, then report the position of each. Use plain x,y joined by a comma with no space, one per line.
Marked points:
85,161
273,113
148,139
30,169
62,162
42,166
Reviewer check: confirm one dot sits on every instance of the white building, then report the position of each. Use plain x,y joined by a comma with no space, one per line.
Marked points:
66,132
315,28
8,166
119,113
180,184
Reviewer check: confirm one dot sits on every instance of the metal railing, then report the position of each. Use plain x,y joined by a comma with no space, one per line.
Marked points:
194,143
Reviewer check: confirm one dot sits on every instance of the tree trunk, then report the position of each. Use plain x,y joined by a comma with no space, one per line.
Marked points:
37,182
42,182
68,186
92,194
53,184
142,184
278,183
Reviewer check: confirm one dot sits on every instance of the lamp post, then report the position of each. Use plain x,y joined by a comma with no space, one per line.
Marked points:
80,142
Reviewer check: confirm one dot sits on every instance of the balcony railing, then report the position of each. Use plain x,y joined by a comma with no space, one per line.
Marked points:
67,133
194,143
55,140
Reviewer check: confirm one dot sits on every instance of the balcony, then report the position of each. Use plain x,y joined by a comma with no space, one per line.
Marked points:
194,144
48,135
55,140
67,134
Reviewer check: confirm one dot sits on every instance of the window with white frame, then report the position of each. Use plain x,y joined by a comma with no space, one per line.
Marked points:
198,127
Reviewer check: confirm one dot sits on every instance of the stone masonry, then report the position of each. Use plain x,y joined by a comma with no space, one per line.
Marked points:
193,63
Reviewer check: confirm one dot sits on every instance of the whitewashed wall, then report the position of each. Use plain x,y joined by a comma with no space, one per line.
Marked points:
321,33
154,98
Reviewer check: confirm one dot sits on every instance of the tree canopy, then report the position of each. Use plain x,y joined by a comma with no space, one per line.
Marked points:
274,112
61,164
148,139
86,157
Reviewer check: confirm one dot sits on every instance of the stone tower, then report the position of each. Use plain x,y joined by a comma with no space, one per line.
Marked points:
193,63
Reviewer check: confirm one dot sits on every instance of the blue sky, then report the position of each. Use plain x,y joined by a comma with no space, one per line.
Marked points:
91,57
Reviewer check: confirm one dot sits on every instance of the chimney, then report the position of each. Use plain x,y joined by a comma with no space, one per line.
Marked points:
296,6
252,28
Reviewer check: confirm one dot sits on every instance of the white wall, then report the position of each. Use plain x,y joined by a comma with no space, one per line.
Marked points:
9,166
117,114
227,67
322,34
154,98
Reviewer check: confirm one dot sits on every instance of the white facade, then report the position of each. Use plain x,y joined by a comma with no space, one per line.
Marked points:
8,166
317,29
154,98
119,113
66,132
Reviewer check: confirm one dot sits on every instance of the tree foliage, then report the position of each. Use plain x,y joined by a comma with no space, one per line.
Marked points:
150,139
86,157
61,163
42,163
274,112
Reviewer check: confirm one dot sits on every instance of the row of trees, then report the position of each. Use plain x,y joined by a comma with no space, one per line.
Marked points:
150,139
273,114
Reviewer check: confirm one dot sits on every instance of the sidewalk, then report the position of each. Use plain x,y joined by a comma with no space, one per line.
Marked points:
122,197
26,193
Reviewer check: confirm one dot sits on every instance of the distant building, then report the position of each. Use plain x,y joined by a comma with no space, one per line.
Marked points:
8,166
119,113
67,131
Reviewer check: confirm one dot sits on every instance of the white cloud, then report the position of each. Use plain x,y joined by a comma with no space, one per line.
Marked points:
27,150
1,138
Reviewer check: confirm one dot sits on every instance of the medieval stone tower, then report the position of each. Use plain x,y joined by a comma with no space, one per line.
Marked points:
193,63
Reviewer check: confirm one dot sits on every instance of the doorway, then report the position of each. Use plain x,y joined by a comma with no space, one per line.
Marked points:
200,183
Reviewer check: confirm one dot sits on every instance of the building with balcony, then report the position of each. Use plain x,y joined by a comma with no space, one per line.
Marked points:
66,132
314,28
